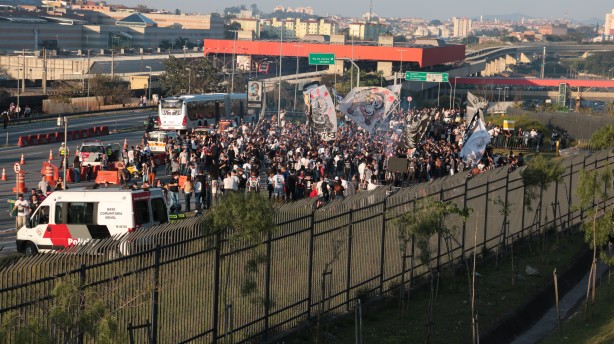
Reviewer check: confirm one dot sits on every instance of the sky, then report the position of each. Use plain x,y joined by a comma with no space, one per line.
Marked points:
440,9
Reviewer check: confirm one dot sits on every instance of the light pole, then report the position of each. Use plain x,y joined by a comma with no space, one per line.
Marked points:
149,83
234,52
298,47
189,80
401,66
499,97
88,79
63,121
281,41
505,93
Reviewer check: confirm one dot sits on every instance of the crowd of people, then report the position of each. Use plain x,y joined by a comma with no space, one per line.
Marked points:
291,162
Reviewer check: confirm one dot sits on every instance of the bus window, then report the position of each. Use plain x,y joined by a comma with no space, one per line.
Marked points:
59,216
141,212
171,104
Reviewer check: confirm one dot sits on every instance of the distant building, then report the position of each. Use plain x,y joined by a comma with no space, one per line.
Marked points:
462,27
249,24
609,24
554,30
297,28
367,31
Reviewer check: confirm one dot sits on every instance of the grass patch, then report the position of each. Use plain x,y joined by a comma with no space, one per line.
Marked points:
496,297
598,329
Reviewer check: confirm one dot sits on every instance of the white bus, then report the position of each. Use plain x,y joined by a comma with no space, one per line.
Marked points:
200,110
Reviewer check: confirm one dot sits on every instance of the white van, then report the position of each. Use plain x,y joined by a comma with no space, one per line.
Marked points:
66,218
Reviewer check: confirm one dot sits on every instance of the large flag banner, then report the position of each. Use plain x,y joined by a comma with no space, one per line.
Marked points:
476,143
415,131
320,106
474,105
369,107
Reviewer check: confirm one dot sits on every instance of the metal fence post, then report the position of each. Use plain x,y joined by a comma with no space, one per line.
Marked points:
569,206
464,222
310,267
383,248
82,279
267,286
216,287
486,214
348,281
439,234
507,191
155,296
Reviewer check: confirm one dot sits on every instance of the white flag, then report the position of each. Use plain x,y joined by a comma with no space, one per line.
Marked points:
322,109
476,144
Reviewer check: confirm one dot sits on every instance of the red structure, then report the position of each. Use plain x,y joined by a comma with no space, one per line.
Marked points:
425,56
534,82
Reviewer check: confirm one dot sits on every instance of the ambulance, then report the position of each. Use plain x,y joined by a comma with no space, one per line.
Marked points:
67,218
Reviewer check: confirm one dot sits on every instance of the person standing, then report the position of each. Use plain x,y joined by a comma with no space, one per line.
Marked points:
22,208
121,165
76,167
43,185
5,119
173,189
63,152
188,188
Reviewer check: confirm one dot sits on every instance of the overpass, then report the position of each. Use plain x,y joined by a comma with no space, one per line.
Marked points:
497,59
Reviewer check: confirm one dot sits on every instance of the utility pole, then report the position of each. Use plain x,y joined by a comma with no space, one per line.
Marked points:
44,81
543,71
112,64
281,41
298,46
23,80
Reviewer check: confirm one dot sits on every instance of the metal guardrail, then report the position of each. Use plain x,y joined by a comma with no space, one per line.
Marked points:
36,118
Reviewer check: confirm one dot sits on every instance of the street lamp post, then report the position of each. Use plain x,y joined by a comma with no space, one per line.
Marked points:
149,83
499,96
234,52
189,80
505,93
298,46
401,66
63,121
281,41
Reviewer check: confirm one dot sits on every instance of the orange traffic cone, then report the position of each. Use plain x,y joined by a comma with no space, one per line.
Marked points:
23,161
125,143
50,154
3,175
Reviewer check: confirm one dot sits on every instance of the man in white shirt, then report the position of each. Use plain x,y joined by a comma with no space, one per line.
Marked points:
229,183
22,208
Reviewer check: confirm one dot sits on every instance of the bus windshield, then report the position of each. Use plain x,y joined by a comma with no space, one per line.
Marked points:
171,104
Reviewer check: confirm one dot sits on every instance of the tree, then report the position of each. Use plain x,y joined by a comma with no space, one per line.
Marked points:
177,11
63,91
73,313
113,90
142,8
420,226
200,78
603,138
538,174
592,190
435,22
230,28
246,220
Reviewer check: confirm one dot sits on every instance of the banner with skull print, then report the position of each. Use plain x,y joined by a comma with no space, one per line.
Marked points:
369,107
322,110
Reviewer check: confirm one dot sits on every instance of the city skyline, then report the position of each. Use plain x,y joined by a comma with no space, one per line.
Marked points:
445,9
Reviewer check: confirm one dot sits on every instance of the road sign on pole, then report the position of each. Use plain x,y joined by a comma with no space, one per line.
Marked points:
427,76
17,167
319,59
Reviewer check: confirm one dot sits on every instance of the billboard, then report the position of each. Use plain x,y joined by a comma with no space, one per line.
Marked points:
254,93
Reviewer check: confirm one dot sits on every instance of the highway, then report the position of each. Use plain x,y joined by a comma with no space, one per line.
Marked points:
128,125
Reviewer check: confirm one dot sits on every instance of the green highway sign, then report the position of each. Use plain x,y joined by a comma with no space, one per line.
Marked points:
321,59
426,76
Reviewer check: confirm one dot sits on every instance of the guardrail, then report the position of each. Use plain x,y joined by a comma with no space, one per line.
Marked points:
75,114
58,136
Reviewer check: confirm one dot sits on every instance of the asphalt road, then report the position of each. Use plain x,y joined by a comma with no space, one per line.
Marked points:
126,125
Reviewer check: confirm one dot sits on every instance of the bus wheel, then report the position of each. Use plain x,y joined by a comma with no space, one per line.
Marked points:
29,249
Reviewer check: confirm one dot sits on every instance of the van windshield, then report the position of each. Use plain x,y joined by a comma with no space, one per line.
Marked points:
92,149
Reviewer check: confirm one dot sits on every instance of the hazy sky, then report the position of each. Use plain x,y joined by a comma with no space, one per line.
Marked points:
437,9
